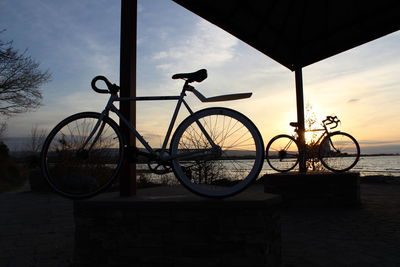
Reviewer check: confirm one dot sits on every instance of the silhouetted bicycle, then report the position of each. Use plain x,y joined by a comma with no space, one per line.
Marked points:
337,151
214,152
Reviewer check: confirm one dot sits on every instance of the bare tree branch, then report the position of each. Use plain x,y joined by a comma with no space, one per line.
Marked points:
20,81
37,139
3,126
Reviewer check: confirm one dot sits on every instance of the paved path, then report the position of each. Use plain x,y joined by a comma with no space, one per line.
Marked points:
37,230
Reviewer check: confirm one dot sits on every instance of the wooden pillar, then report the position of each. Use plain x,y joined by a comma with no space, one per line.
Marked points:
300,118
128,88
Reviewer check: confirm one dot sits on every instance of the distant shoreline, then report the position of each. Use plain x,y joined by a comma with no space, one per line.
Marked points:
23,153
380,155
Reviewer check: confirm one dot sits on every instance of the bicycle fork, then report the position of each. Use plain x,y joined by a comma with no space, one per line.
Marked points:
99,124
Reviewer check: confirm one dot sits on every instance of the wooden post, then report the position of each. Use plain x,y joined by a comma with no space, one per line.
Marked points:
128,89
300,119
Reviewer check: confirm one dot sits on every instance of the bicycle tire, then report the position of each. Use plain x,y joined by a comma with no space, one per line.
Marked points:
282,153
78,173
339,152
217,176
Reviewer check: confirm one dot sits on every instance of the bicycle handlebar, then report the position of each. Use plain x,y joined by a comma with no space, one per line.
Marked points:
112,88
331,120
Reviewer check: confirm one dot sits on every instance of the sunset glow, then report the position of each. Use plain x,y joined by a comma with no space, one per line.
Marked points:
78,40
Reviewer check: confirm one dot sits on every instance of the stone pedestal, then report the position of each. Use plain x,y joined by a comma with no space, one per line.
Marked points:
181,229
315,188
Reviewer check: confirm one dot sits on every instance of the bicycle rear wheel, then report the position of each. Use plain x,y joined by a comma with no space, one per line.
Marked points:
221,173
79,161
282,153
339,152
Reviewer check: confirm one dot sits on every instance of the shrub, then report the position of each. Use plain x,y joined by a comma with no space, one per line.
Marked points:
4,151
12,176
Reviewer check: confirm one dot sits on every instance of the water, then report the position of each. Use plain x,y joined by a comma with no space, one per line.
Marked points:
367,166
379,165
371,165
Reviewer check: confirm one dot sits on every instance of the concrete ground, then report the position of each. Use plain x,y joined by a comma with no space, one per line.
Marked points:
368,235
37,229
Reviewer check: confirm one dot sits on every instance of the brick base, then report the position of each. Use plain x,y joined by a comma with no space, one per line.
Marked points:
180,230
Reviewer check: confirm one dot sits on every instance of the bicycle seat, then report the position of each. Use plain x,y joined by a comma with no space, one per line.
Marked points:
197,76
294,124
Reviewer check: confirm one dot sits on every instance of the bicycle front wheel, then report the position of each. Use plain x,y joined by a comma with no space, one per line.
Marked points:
82,155
282,153
229,169
339,152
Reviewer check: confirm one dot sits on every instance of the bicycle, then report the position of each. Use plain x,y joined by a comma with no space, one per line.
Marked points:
337,151
215,152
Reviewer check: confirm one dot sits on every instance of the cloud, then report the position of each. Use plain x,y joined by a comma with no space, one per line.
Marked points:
374,142
83,100
100,59
160,55
207,45
353,100
164,67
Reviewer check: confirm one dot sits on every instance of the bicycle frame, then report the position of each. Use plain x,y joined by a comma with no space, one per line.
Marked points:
180,99
321,137
325,133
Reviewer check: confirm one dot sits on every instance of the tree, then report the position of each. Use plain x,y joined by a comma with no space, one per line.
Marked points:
20,81
3,127
312,150
37,139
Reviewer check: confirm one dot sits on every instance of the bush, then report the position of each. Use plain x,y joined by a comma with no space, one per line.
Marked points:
4,151
12,175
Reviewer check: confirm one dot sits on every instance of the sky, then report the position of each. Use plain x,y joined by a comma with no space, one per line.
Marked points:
77,40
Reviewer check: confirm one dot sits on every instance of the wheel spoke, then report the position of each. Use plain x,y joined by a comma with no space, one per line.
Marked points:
219,173
72,169
282,153
339,152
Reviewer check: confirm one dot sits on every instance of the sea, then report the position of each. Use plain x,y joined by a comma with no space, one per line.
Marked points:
384,165
378,165
387,165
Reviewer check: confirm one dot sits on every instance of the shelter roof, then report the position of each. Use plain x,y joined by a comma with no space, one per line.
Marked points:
297,33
